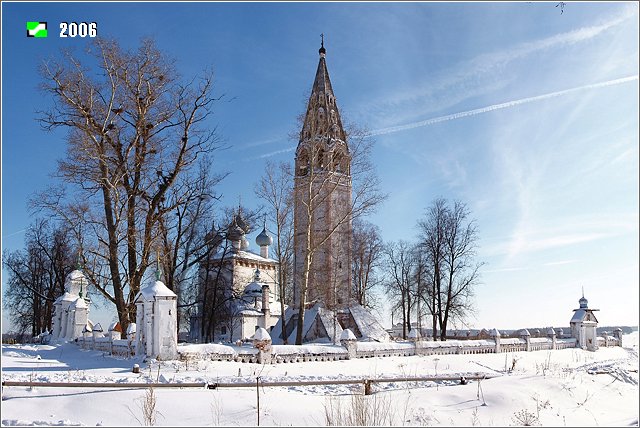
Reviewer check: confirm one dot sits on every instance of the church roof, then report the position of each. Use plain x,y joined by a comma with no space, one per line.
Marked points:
66,297
243,255
155,289
79,303
322,115
75,274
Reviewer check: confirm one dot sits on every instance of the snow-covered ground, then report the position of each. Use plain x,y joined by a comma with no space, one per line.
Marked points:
551,388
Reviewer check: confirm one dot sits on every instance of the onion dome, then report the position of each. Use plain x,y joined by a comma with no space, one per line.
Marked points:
263,239
239,221
244,243
235,232
583,302
254,288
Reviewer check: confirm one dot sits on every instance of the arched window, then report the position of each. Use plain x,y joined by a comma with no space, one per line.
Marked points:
340,162
320,160
337,162
303,163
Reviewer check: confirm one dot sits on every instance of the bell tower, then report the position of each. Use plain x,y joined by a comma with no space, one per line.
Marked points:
322,200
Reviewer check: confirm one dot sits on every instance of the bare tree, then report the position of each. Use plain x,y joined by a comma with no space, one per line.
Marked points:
134,130
36,276
449,240
367,254
183,240
275,188
400,265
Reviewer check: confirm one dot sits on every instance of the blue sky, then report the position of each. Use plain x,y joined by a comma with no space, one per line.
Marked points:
527,114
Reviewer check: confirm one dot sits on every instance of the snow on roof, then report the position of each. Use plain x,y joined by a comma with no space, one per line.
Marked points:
308,349
329,322
372,346
66,297
242,254
206,348
79,303
131,328
261,334
157,289
368,324
456,343
97,327
76,274
309,317
253,289
347,334
512,341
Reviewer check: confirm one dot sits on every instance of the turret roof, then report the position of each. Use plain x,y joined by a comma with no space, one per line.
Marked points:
314,123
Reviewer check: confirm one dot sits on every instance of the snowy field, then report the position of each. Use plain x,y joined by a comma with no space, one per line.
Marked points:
550,388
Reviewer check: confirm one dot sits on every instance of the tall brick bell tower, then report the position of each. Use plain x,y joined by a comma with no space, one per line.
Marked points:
322,192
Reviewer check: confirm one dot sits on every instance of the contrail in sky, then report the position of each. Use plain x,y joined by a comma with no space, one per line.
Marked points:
499,106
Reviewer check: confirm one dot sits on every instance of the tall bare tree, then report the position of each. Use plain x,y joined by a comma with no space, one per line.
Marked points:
400,262
183,235
367,255
276,190
134,130
450,242
36,276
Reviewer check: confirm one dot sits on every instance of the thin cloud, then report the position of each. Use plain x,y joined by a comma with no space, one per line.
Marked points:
14,233
274,153
507,104
559,263
454,83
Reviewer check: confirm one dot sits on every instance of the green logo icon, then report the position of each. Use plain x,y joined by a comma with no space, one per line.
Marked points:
36,29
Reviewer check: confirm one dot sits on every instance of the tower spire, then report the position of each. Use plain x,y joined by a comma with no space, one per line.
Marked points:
322,51
322,119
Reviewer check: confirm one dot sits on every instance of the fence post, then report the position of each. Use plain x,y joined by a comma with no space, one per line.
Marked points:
618,335
552,334
367,387
527,338
262,341
349,341
496,336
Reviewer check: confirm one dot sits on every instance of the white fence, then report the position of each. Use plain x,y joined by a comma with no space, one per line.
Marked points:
347,350
110,344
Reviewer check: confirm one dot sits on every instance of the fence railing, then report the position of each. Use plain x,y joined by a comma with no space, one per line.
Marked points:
365,382
347,349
